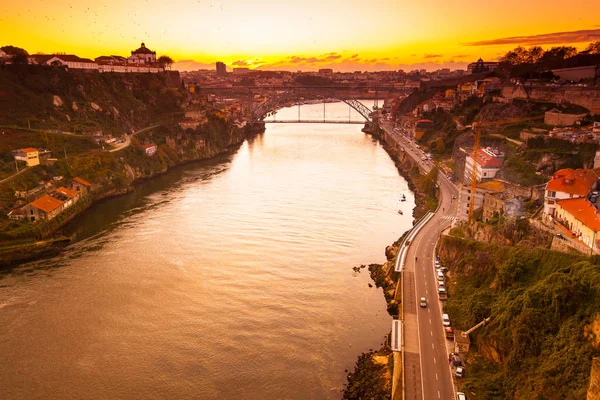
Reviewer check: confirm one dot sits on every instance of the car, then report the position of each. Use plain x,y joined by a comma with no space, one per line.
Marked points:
442,269
437,263
423,302
560,236
453,197
460,372
441,284
445,319
461,396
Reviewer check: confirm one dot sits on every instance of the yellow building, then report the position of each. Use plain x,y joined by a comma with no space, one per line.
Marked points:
30,155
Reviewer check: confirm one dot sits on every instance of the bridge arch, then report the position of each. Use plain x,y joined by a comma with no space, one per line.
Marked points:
263,109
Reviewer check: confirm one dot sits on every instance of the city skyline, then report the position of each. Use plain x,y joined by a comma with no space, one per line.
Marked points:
344,36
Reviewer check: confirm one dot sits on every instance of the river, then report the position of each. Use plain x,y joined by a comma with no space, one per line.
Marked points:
225,279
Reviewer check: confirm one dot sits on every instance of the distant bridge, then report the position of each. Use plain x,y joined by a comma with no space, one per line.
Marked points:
314,121
282,95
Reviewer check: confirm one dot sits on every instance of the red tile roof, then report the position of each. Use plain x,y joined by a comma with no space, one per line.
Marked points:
578,182
47,203
487,161
582,210
67,192
28,149
79,180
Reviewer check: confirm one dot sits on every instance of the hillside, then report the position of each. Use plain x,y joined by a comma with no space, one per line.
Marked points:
77,101
544,308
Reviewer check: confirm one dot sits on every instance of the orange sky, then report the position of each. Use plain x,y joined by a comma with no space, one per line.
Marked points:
298,35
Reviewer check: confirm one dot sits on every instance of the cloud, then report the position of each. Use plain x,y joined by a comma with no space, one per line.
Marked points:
545,38
240,63
462,56
428,56
191,65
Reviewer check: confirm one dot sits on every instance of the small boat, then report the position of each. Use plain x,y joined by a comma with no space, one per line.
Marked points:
400,212
403,198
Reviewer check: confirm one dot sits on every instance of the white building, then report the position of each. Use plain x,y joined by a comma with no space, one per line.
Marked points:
67,60
143,55
489,163
569,184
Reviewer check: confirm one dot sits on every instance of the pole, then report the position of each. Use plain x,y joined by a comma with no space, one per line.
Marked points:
323,110
16,165
298,112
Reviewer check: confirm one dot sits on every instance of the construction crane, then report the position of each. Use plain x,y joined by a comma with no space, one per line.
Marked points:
477,127
482,323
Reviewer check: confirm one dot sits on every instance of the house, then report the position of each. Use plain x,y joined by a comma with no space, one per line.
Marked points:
44,208
142,55
81,186
29,155
495,197
67,196
150,149
70,61
482,66
488,164
17,214
582,218
569,184
421,127
462,342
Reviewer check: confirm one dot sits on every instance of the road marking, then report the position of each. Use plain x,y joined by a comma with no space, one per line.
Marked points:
434,360
429,311
436,377
431,333
426,291
432,346
439,394
430,320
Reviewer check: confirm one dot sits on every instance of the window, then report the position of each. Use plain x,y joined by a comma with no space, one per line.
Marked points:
551,193
31,212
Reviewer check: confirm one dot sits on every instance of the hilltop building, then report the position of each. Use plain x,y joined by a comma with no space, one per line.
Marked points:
63,60
29,155
143,55
482,66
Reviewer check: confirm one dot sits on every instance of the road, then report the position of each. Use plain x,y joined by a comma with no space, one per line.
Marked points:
13,175
427,374
127,141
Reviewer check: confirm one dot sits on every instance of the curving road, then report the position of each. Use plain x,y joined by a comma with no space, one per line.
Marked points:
427,374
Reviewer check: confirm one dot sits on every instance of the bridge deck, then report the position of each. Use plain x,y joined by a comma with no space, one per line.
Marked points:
314,121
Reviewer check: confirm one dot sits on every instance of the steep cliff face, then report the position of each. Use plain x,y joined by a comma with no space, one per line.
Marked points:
76,101
543,307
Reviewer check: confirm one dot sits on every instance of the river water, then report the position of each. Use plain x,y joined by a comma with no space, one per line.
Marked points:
227,279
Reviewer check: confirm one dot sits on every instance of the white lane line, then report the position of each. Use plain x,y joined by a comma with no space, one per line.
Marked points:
431,333
436,377
426,291
434,360
429,311
429,320
432,346
439,394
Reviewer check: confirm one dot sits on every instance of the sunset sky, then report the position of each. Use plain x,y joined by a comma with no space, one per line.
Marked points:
344,35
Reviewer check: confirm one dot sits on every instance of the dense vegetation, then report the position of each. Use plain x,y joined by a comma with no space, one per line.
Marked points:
541,303
121,102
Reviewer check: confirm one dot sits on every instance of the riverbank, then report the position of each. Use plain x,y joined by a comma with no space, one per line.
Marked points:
116,174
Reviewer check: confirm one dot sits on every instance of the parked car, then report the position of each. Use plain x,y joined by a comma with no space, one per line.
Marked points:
446,319
461,396
449,333
443,269
456,360
460,372
423,302
441,284
560,236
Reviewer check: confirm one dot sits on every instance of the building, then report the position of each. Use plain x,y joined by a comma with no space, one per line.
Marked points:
488,164
44,208
149,149
67,196
494,197
221,69
582,218
241,71
29,155
81,186
422,126
597,159
16,214
143,55
569,184
326,71
481,66
69,61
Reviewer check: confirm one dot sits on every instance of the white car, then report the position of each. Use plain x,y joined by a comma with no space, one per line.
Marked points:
446,319
461,396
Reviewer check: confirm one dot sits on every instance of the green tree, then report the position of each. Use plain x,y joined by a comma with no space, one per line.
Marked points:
165,62
17,54
593,48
